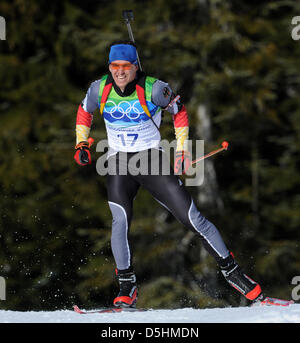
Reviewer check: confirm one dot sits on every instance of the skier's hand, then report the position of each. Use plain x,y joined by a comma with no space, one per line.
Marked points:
182,162
82,155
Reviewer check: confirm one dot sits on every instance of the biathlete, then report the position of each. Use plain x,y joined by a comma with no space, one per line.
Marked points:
131,104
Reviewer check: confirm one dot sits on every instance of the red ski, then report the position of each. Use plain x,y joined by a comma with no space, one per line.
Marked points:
109,310
267,301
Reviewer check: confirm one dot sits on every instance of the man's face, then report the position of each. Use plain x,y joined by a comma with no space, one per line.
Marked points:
122,72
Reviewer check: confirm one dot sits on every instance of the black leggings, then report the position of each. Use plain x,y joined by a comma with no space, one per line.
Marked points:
168,190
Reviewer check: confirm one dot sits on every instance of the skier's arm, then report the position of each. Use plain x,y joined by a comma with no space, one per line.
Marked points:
163,96
83,125
181,125
85,113
84,122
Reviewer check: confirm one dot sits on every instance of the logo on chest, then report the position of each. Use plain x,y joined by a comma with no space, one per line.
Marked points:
125,111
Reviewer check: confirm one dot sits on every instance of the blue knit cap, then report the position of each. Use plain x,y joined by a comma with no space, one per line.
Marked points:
124,52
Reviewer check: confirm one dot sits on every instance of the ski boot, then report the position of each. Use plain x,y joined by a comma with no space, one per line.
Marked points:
127,296
239,280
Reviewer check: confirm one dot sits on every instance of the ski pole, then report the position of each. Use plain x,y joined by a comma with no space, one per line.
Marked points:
128,16
224,147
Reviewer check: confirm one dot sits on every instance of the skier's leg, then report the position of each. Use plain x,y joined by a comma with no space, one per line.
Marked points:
168,191
121,192
171,193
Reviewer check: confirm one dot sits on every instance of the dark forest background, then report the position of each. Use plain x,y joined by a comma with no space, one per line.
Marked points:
237,69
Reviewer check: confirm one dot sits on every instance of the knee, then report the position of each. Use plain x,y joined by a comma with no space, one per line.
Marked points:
199,222
119,215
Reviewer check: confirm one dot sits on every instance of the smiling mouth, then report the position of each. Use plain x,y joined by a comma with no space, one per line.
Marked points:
121,77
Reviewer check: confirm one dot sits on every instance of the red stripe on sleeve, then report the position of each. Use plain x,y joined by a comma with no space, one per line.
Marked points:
181,118
83,117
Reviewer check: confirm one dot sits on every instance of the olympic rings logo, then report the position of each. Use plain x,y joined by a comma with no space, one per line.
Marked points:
124,108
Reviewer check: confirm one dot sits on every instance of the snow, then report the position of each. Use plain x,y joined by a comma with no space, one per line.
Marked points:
259,314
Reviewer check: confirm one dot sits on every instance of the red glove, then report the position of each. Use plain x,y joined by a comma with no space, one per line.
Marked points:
182,162
82,155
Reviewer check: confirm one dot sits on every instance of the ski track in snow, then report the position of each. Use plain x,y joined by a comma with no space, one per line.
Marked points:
260,314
